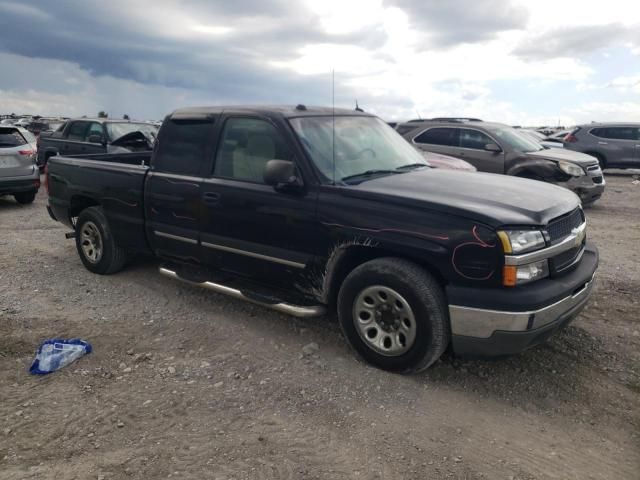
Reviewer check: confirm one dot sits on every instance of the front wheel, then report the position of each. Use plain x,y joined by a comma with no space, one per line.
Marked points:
394,314
95,243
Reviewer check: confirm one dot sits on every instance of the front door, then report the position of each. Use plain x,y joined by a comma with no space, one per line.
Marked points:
472,149
248,227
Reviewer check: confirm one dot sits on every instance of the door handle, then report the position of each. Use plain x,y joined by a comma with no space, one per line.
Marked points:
211,198
603,143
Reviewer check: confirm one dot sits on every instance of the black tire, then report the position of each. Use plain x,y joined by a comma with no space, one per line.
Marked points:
25,198
112,257
423,295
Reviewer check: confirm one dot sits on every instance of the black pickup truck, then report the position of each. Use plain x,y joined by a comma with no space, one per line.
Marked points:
306,210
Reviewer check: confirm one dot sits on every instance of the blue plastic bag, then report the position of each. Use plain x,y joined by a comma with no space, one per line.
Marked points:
56,353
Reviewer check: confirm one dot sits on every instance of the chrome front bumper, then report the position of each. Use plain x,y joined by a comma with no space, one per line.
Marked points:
482,323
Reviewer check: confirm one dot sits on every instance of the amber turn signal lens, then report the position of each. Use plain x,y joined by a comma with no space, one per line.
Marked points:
509,275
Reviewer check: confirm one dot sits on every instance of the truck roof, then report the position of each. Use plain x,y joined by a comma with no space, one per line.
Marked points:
286,111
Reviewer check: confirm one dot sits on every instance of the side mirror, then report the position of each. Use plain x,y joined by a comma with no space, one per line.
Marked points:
492,147
281,174
95,138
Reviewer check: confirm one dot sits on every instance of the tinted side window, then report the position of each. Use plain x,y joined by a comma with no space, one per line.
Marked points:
616,133
473,139
182,146
247,144
77,131
440,136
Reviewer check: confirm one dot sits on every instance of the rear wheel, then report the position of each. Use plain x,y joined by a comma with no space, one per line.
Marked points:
95,243
394,314
25,198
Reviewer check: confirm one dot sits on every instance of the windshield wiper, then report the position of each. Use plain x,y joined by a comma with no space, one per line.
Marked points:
368,173
411,166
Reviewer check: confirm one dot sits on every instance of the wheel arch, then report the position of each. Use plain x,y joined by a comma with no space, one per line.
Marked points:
602,158
78,203
344,259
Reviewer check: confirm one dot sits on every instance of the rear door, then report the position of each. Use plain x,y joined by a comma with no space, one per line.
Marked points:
438,139
17,155
173,185
247,226
618,144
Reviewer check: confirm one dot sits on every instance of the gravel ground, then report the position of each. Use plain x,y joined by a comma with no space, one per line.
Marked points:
184,383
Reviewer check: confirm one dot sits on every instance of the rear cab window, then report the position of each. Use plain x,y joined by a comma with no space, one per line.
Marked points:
183,146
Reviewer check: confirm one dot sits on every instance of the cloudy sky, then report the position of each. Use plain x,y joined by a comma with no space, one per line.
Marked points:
516,61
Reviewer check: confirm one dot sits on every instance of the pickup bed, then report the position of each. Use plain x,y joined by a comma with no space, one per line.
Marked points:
305,210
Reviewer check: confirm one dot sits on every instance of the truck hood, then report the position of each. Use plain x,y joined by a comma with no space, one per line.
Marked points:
493,199
557,154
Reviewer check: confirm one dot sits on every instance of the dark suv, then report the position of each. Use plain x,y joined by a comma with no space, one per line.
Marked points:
613,144
498,148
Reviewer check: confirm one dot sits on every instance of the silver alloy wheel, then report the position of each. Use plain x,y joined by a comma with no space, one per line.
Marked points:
384,320
91,242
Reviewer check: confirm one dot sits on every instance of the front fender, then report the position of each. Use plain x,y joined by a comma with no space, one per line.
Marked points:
538,169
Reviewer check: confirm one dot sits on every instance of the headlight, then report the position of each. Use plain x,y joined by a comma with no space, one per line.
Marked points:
517,275
570,168
521,241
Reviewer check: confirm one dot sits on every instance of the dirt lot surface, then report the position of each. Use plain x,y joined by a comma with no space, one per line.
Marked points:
184,383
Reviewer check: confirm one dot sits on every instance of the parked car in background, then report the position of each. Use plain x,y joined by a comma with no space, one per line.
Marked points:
23,122
89,136
539,138
307,209
615,145
19,175
498,148
437,160
44,124
558,137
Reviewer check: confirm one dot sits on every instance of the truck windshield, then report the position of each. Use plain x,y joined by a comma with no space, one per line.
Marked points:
517,141
117,130
364,146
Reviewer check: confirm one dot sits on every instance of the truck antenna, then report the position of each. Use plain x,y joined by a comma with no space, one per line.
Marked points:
333,122
418,114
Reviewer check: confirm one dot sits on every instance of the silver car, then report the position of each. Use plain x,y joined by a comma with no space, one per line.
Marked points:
615,145
19,175
497,148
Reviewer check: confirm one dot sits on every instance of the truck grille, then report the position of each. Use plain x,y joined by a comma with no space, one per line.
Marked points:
564,260
561,227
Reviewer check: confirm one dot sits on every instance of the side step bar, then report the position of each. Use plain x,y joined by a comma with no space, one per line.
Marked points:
289,309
